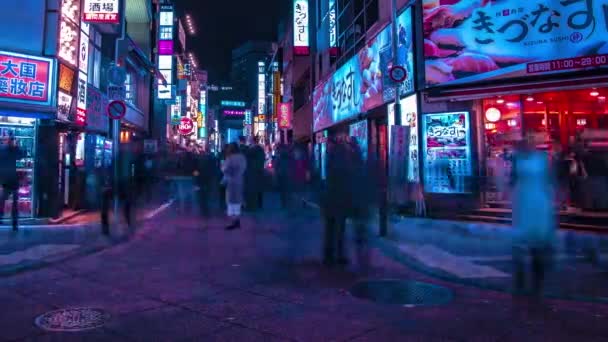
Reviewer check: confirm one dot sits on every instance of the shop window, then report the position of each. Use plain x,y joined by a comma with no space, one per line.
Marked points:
94,65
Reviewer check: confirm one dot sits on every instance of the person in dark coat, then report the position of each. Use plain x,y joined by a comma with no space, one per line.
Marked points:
258,159
126,188
283,168
9,179
335,202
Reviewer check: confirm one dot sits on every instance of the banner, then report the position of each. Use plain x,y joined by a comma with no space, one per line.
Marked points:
284,115
474,40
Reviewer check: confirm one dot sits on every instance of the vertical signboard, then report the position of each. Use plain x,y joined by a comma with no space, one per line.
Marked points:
165,52
446,155
68,32
261,87
333,29
409,117
398,151
83,79
301,19
284,116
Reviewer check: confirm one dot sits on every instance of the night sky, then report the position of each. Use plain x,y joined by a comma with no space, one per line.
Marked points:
222,25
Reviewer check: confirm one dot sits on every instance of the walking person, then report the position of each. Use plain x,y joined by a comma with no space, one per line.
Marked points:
234,168
335,203
533,215
125,191
10,153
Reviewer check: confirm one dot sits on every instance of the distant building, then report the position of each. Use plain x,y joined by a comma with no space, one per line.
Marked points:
244,71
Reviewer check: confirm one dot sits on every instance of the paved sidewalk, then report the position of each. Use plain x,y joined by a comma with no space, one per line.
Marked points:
480,254
186,279
40,246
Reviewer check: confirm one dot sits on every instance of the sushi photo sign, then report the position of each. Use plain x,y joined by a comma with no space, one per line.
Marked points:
478,40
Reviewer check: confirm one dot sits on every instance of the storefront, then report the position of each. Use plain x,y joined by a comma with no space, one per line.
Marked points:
512,71
357,99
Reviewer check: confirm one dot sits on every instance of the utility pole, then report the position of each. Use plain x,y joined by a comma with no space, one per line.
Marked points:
116,123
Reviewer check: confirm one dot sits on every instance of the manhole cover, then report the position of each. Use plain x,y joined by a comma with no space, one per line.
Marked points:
401,292
74,319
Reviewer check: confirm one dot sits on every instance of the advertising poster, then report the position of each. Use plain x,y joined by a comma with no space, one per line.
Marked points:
446,152
476,40
405,56
359,131
398,164
409,117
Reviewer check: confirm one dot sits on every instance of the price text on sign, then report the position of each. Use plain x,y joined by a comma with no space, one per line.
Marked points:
568,63
186,126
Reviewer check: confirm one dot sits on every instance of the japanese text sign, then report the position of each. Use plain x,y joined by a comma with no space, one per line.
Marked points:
284,115
26,79
81,99
470,41
66,78
101,11
301,18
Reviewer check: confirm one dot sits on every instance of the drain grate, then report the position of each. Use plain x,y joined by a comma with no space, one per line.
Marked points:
388,291
73,319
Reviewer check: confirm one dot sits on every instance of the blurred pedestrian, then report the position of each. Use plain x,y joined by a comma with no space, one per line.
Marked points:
533,215
335,202
234,168
283,169
10,153
126,188
363,196
258,174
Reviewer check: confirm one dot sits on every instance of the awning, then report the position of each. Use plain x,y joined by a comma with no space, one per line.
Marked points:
479,92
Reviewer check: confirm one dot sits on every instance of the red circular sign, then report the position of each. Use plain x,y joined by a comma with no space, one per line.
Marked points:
398,73
116,110
186,126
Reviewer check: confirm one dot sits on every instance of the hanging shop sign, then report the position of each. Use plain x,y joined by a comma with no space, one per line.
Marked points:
26,79
186,126
101,11
64,106
285,114
301,35
493,40
363,82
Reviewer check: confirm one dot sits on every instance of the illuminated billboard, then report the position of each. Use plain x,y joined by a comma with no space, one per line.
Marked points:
301,34
362,83
493,40
101,11
26,79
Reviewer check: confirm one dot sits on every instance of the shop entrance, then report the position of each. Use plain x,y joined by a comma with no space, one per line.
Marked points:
573,124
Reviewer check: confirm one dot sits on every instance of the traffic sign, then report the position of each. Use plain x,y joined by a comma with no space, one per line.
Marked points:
116,109
116,92
397,73
186,126
117,75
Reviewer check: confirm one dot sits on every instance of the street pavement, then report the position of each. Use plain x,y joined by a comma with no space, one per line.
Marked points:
184,278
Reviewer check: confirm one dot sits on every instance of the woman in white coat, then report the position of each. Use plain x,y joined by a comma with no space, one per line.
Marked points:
234,172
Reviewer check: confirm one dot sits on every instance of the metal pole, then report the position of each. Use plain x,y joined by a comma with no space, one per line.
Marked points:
395,42
384,204
116,123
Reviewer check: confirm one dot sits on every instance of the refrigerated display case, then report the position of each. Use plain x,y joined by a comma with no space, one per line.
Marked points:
24,132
